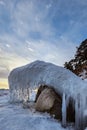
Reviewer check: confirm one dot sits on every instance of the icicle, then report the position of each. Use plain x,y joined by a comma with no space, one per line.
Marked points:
32,94
63,110
28,93
21,94
67,100
25,95
84,101
79,113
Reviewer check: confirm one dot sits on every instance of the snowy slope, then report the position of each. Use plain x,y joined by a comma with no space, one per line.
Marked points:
14,117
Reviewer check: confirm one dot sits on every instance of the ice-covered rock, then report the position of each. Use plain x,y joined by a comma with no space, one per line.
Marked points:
23,79
50,102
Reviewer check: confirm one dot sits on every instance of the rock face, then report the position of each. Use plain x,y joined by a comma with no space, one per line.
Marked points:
48,100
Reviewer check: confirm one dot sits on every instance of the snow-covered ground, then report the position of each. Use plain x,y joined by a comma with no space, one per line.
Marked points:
15,117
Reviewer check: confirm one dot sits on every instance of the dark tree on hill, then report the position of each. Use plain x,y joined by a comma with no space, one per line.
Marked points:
78,65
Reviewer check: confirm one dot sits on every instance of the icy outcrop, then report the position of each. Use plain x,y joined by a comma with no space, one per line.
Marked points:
23,79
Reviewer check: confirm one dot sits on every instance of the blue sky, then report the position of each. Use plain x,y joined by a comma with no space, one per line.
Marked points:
48,30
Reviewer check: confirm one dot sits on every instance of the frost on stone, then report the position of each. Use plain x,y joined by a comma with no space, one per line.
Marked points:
24,80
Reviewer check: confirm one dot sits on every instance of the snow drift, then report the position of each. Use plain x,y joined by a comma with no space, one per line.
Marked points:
24,79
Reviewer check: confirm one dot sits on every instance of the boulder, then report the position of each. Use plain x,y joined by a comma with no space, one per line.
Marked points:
48,100
41,88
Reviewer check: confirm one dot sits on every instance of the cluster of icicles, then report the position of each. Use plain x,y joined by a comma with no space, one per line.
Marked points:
80,106
20,95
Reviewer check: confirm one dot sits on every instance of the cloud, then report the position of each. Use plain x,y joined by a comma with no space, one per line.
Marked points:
28,18
11,60
45,30
4,71
57,52
23,52
2,3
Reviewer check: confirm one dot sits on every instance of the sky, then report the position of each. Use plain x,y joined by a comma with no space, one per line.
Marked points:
48,30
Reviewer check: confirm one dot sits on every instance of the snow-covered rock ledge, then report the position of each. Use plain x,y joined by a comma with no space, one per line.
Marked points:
30,77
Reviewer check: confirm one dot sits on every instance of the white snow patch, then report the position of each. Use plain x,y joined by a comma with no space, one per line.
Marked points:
83,75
